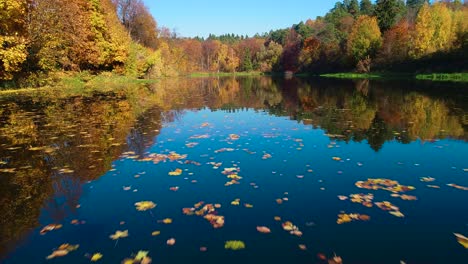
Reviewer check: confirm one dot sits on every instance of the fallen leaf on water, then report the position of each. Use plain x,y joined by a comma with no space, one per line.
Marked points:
96,257
119,234
141,254
145,205
177,172
236,202
234,245
342,197
427,179
302,247
49,228
263,229
462,239
459,187
167,221
277,218
170,242
397,213
63,250
155,233
234,137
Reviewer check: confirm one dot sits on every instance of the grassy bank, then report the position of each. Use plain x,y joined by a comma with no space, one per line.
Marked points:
444,77
437,77
79,84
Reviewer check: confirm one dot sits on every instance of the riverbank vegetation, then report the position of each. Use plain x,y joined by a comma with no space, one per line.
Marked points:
42,37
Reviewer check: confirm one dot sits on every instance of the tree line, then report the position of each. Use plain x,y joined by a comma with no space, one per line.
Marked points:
42,36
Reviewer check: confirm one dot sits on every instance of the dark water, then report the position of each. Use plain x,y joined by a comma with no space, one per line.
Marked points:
84,161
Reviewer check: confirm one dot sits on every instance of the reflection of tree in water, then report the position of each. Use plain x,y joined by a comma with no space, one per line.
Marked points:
49,149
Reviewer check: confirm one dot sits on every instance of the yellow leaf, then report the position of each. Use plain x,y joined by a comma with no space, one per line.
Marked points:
167,221
462,239
119,234
96,257
145,205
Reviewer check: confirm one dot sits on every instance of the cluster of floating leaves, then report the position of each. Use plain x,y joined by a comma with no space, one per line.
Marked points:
346,218
232,173
291,228
157,158
384,184
364,199
208,211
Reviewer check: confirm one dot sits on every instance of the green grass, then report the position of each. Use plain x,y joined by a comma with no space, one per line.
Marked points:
436,77
444,77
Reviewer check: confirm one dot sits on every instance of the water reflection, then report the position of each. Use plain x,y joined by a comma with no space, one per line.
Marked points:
51,145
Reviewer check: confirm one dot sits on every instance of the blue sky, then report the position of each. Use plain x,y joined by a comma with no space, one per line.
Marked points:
200,17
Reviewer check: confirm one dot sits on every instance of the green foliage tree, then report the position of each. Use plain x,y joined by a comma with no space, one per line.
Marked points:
247,64
366,7
388,13
353,7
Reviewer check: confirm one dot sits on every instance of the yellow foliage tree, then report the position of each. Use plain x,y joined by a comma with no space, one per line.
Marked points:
13,50
365,38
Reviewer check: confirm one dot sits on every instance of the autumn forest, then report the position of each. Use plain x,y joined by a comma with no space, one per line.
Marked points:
41,37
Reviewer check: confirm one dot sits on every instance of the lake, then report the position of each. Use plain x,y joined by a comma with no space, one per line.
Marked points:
226,170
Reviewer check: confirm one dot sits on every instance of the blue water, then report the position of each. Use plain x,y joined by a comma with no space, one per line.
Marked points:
300,169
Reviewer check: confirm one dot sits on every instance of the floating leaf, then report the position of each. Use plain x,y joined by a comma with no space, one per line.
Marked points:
63,250
177,172
49,228
119,234
462,239
263,229
141,254
155,233
234,245
171,241
145,205
167,221
96,256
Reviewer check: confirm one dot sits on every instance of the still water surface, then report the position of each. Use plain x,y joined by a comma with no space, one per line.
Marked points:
260,152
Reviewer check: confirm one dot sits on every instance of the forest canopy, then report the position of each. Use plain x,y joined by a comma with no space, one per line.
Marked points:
38,37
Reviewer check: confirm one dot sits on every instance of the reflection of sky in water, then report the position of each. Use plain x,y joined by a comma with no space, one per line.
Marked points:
423,236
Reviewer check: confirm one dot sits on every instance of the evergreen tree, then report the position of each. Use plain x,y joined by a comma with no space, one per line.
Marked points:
388,13
247,64
366,7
